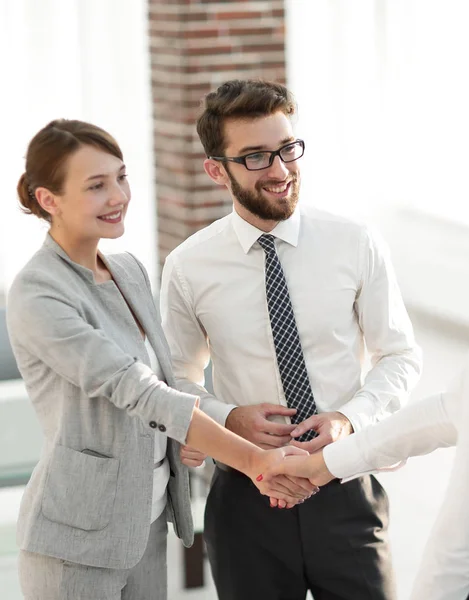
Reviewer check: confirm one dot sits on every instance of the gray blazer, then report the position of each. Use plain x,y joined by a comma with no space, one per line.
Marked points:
87,372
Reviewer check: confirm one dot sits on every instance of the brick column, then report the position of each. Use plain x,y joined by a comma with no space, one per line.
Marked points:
195,45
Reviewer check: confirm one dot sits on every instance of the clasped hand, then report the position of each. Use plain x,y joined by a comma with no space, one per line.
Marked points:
283,489
286,473
295,474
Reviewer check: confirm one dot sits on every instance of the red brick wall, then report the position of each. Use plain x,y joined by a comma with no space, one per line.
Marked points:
195,46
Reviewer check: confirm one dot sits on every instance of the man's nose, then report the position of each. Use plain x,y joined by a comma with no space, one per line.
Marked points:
278,169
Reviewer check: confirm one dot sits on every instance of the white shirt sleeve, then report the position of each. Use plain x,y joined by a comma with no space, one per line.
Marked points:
188,343
438,421
395,357
418,428
444,571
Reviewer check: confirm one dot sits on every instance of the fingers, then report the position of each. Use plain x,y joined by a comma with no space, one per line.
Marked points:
305,426
301,484
312,446
284,500
267,446
292,450
280,504
291,485
189,452
286,488
277,409
276,503
281,488
191,457
271,441
192,463
281,429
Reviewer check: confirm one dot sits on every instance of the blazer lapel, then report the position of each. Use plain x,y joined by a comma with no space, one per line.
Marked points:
137,295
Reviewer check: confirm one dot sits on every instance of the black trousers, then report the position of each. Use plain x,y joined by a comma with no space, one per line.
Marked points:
335,544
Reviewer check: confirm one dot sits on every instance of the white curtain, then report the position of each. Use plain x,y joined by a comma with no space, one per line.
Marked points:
335,72
79,59
383,95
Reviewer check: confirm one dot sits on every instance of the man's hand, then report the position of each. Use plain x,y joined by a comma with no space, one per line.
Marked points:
330,426
191,457
251,423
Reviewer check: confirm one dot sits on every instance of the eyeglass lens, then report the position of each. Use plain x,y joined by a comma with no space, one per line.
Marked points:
261,160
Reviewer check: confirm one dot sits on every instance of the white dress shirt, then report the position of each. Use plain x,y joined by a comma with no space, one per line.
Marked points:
161,470
421,427
343,291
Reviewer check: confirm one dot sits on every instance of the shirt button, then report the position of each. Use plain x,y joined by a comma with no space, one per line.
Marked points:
153,424
162,428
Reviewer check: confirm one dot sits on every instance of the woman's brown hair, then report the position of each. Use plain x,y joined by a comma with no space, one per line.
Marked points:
47,156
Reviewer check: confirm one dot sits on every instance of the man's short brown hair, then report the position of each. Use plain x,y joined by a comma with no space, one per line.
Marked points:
239,99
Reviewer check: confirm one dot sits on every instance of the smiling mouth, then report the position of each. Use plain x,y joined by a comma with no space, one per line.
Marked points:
114,217
277,189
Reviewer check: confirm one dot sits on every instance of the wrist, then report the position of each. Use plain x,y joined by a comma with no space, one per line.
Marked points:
323,475
251,462
346,423
229,422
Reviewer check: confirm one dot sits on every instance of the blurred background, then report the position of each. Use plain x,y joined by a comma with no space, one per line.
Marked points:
383,97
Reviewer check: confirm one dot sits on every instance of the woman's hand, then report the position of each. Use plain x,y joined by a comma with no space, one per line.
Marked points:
288,489
191,457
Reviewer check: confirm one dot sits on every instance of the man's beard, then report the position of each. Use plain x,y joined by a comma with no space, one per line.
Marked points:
260,206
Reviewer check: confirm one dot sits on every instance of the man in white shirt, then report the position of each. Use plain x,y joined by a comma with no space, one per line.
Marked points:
436,422
283,300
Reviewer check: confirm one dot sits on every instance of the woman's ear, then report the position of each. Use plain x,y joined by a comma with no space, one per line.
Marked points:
47,201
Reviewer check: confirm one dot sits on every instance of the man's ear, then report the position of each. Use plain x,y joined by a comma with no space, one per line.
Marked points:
47,201
216,171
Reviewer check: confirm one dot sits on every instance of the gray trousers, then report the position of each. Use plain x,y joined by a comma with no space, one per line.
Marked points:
46,578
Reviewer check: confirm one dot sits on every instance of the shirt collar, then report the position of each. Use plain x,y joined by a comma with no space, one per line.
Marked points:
247,234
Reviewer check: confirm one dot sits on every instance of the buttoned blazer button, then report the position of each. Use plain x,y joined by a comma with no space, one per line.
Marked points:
153,424
162,428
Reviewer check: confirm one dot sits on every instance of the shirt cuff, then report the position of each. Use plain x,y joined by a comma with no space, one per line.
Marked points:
217,410
227,409
345,461
360,411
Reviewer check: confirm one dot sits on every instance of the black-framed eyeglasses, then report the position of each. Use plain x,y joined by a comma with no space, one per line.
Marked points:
256,161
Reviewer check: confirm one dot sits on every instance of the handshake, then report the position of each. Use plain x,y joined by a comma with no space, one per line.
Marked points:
287,471
290,475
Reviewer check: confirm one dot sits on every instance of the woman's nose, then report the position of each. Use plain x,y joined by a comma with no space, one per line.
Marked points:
117,195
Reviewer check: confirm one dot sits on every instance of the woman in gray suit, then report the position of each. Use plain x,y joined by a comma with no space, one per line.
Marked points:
87,339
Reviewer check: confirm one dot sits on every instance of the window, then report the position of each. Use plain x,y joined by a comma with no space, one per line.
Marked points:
75,59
